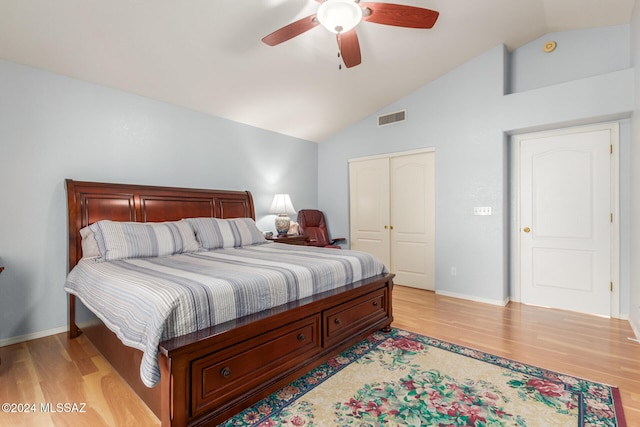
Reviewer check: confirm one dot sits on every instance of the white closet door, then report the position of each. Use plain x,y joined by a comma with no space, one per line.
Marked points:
369,207
392,202
412,209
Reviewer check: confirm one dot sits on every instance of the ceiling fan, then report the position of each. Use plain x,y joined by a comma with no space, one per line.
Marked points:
341,17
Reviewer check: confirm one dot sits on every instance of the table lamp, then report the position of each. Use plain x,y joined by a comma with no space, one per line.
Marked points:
283,207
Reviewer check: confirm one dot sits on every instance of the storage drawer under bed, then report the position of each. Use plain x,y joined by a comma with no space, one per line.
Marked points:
220,377
346,319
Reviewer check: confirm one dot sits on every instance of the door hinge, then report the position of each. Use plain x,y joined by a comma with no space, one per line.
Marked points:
610,148
611,217
611,286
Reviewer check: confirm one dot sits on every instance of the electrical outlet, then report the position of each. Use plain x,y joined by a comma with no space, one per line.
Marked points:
482,210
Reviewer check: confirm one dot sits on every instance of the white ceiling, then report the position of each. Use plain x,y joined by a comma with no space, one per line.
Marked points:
208,55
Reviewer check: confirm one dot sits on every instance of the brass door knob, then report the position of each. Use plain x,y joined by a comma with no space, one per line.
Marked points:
526,229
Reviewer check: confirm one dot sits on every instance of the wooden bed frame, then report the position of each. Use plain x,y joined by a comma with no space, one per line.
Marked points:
211,374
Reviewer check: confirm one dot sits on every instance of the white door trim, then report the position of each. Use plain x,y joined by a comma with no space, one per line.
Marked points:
516,142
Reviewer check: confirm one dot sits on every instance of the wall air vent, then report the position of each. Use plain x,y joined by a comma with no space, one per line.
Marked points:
387,119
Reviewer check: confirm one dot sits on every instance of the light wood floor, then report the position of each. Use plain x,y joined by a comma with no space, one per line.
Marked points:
57,370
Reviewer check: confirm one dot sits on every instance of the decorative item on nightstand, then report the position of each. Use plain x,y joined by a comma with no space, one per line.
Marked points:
282,206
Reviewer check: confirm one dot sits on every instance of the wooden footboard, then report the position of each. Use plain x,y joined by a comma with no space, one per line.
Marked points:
218,372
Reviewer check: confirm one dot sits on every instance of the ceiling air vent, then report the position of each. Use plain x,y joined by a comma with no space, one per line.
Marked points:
387,119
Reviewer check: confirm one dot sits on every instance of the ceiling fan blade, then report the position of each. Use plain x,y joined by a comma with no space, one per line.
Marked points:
399,15
290,31
349,48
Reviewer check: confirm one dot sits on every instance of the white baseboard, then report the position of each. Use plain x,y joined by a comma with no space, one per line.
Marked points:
473,298
33,336
634,321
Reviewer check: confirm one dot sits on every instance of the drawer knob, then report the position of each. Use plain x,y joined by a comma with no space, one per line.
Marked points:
302,338
337,321
225,372
375,303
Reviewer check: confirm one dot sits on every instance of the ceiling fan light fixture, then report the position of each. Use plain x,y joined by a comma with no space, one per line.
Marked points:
339,16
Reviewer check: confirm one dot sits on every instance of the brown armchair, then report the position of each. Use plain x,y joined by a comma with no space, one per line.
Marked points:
311,223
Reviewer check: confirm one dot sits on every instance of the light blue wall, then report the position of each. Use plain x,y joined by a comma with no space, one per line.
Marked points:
578,54
53,127
467,118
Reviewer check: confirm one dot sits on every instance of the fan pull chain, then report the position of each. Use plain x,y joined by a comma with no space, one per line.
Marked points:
339,41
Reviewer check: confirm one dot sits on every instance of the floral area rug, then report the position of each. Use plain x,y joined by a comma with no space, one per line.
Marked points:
405,379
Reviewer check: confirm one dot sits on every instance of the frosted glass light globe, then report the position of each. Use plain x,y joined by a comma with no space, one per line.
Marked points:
339,16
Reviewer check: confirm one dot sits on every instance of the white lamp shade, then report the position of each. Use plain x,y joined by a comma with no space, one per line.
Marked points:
282,205
339,16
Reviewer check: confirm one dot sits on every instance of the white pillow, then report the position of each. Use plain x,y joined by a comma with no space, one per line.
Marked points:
89,244
121,240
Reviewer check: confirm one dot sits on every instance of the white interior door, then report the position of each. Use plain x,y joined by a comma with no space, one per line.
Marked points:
413,219
565,221
369,207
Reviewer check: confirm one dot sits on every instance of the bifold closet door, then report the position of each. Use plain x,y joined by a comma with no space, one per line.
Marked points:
392,214
369,207
412,206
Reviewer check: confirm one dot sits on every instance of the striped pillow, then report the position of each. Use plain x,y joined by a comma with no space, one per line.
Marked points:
213,233
121,240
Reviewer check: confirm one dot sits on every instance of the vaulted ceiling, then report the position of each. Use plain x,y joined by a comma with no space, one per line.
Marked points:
207,55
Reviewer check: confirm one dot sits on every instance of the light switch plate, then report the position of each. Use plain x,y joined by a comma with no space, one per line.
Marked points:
482,210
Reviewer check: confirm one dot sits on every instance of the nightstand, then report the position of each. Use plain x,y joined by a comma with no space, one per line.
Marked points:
290,240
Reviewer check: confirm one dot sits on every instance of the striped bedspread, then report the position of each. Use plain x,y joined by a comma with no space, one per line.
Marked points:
148,300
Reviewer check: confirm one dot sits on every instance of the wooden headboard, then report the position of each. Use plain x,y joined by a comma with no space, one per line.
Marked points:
88,202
